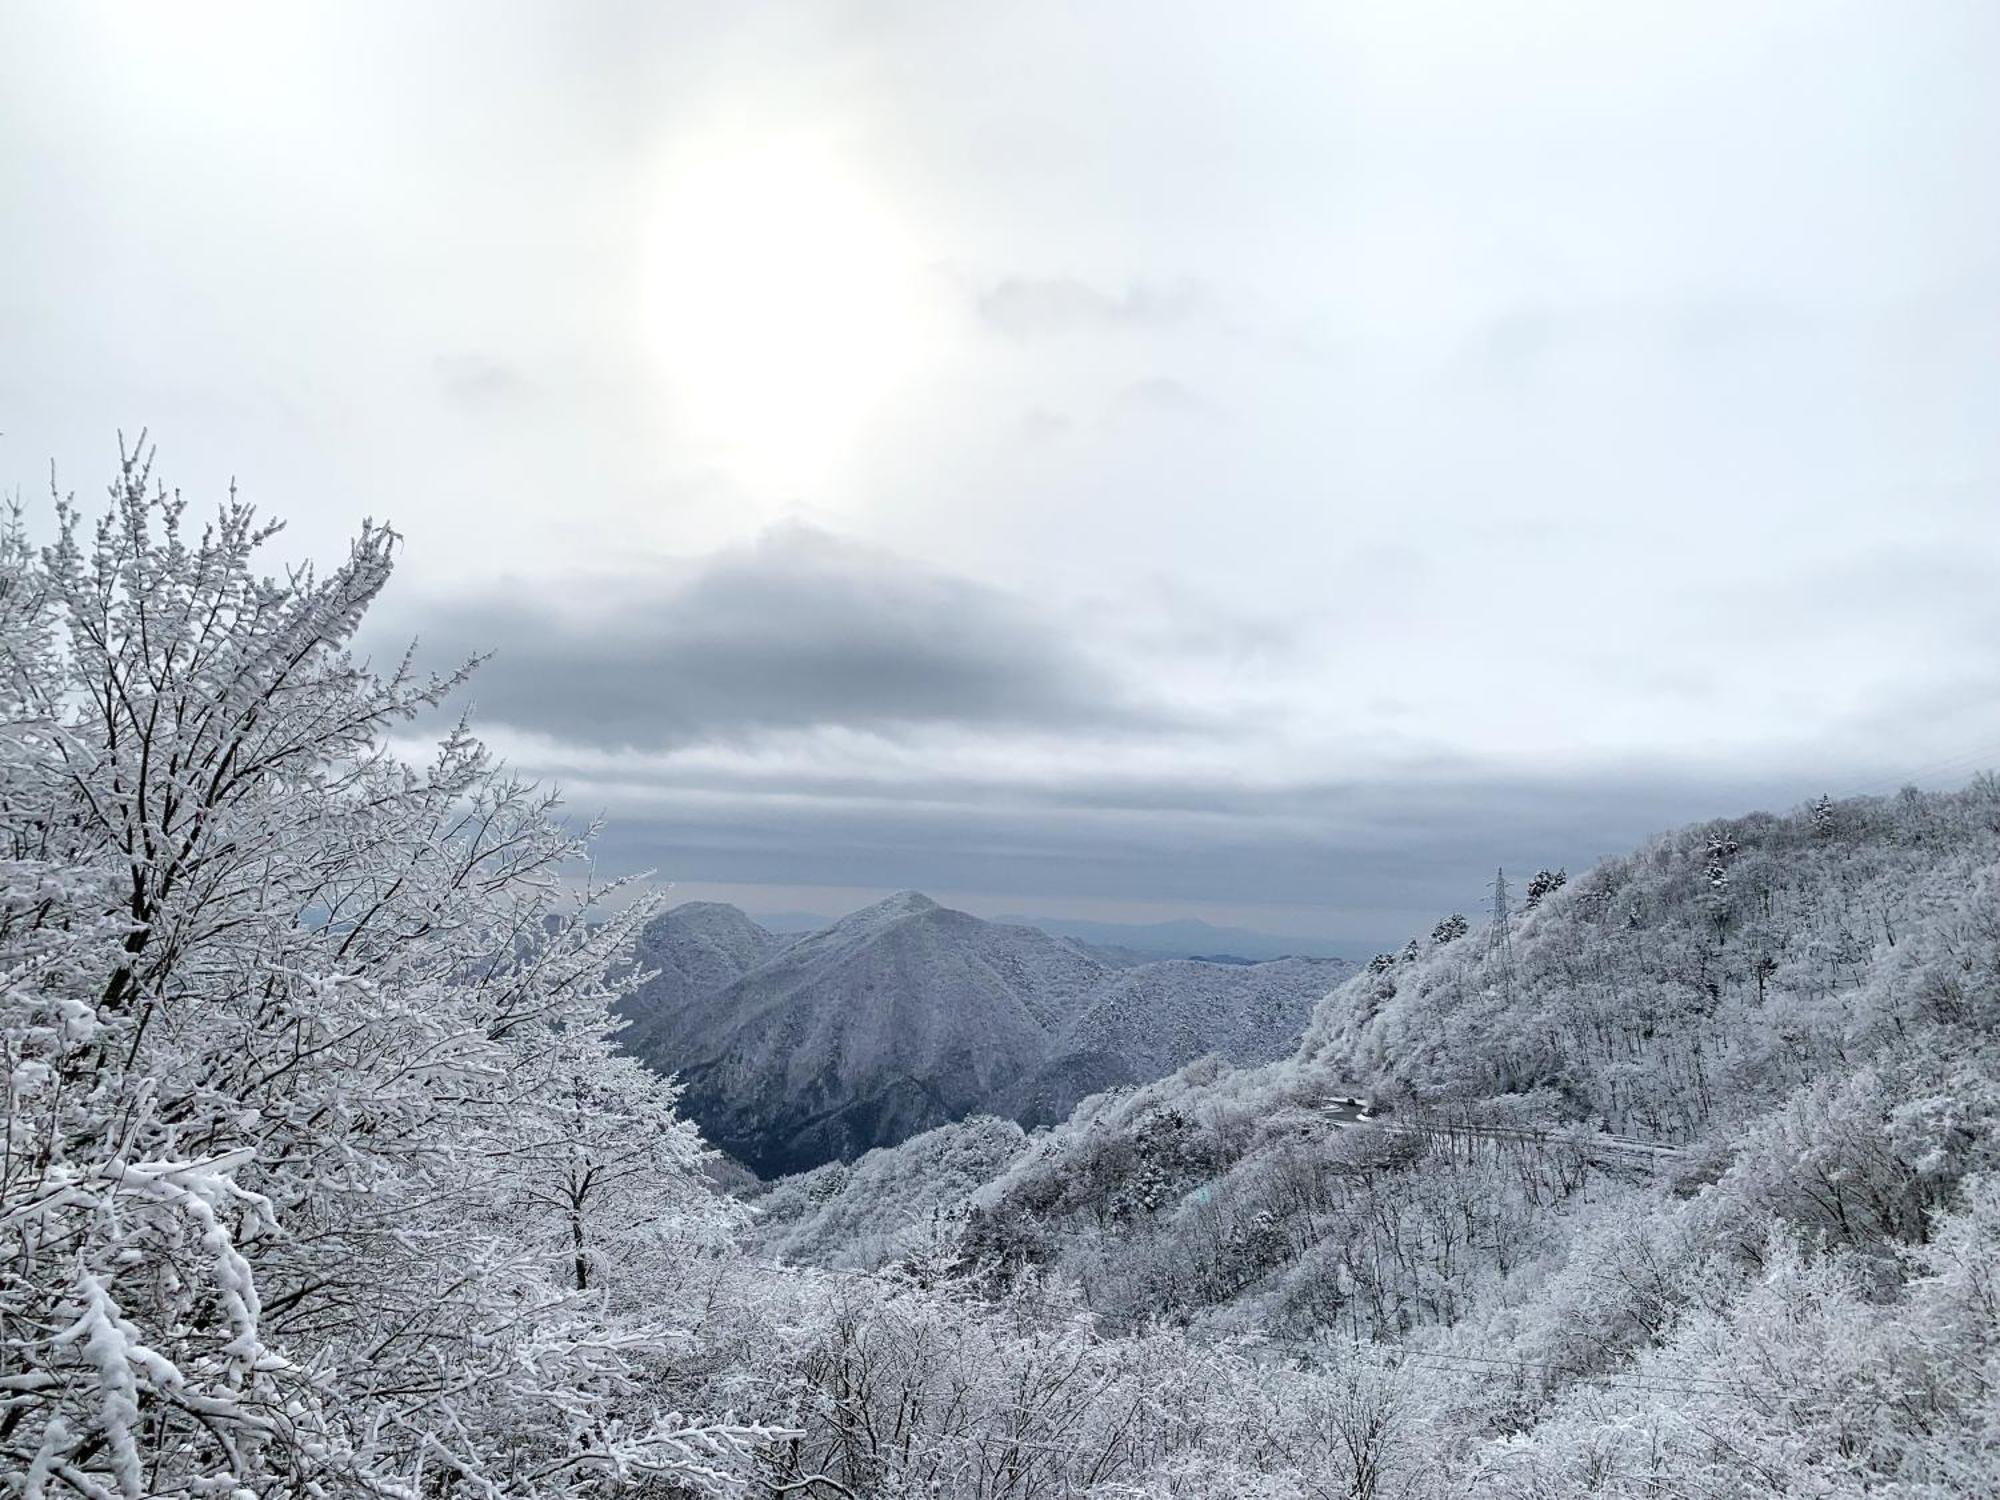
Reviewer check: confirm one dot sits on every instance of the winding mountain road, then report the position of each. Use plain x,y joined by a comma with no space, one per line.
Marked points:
1351,1111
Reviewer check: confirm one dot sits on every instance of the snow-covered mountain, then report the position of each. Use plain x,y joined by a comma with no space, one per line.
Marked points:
1145,1021
907,1014
696,949
1764,1018
1696,1174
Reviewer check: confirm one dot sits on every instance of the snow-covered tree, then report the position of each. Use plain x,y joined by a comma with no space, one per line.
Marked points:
1545,883
1450,929
310,1144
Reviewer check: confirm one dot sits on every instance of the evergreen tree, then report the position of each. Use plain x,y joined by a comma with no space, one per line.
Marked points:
1451,929
1544,883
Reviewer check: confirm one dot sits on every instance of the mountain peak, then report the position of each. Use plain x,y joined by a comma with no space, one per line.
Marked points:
717,920
720,910
902,904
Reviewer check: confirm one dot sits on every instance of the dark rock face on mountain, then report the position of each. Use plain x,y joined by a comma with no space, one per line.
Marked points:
907,1015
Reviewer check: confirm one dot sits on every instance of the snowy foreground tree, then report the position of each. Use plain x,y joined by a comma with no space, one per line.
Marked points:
319,1176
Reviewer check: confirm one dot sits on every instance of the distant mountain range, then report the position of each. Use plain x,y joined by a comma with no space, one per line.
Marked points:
1186,938
796,1049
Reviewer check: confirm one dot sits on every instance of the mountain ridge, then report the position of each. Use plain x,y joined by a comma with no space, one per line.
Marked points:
908,1014
1186,937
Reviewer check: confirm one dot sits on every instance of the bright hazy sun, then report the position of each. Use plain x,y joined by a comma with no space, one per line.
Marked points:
784,307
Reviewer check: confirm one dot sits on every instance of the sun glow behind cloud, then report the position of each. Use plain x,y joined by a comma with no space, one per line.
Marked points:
784,305
1618,411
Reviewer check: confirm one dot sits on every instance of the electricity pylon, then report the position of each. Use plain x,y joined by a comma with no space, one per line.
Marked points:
1500,936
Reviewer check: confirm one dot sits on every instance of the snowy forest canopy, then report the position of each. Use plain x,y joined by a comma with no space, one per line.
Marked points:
323,1174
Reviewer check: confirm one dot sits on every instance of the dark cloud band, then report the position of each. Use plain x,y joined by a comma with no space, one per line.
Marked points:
797,631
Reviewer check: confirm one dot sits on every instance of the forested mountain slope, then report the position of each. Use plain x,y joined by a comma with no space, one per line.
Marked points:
1685,1185
899,1017
1146,1021
692,950
1686,987
907,1015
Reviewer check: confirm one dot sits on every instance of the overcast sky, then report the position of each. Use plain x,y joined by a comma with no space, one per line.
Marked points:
1271,463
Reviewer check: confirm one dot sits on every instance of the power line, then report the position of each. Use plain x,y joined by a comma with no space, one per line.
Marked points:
1967,761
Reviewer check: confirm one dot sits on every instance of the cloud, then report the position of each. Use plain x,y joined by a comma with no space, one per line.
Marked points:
799,629
1551,403
1692,332
1158,396
1369,862
1028,307
474,380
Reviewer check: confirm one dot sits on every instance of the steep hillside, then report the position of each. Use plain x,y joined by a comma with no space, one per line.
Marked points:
907,1015
892,1202
1680,992
1685,1183
1692,1171
1148,1020
1162,1016
693,949
902,1016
